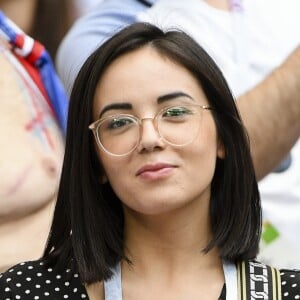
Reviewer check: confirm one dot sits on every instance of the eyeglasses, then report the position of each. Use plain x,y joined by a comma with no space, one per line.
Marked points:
120,134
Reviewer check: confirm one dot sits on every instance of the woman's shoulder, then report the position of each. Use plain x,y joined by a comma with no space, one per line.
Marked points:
35,280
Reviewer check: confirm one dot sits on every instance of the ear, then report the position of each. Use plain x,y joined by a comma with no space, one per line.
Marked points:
220,150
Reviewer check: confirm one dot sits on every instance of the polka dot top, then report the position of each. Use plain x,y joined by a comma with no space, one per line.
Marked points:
33,281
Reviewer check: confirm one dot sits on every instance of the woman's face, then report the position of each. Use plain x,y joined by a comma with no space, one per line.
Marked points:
156,177
31,144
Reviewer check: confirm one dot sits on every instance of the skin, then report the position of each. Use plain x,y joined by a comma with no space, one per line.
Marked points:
268,133
166,215
30,160
20,11
219,4
281,88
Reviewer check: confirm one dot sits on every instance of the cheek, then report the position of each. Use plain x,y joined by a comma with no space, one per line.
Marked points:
113,168
207,138
204,158
117,176
204,152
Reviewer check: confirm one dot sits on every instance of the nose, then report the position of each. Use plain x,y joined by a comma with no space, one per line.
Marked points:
150,139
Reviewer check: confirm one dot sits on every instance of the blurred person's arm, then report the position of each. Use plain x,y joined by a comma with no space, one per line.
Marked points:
271,113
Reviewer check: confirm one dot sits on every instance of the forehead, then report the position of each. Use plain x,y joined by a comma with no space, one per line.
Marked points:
145,74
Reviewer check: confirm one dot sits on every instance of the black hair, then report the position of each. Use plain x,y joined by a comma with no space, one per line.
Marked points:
87,229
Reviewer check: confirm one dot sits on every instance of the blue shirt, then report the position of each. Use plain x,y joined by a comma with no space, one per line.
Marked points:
91,31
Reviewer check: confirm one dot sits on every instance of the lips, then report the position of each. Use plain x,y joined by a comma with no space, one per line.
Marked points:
155,171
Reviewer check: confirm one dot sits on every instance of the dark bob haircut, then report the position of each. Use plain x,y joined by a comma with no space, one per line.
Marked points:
87,229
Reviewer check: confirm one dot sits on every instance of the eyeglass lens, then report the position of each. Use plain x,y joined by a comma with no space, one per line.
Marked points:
178,126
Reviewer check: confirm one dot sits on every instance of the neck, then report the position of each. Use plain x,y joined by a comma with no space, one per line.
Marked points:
166,254
171,241
167,259
24,238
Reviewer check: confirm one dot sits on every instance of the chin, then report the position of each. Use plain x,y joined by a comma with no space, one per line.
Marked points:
155,209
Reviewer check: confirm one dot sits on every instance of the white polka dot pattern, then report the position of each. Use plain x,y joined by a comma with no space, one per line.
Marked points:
290,284
33,281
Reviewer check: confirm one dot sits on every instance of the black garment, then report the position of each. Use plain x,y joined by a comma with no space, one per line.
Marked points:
33,281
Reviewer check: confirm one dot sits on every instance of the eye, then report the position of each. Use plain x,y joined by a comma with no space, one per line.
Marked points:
119,122
177,112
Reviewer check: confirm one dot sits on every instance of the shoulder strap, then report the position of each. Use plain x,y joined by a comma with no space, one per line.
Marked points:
113,286
258,281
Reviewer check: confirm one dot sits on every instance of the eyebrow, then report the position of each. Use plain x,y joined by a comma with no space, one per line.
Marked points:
128,106
123,105
172,96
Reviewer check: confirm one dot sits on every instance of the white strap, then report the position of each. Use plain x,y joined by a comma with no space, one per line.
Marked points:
230,273
113,286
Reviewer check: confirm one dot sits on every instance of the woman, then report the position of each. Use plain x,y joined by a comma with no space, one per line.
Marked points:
157,184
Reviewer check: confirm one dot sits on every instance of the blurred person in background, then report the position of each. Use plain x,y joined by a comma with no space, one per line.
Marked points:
32,128
256,44
45,20
84,6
